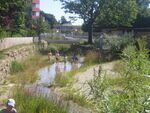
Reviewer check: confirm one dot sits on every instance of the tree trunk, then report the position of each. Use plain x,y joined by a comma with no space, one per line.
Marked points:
90,34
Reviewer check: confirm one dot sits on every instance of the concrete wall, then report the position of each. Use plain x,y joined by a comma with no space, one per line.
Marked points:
9,42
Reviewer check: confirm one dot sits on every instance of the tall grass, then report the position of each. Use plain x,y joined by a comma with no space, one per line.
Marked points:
61,47
16,67
92,57
25,72
2,55
65,79
75,96
28,102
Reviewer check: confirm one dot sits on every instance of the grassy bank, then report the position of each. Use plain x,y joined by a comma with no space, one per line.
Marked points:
28,102
4,51
26,71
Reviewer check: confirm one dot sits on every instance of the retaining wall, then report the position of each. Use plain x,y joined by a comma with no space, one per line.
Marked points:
9,42
11,55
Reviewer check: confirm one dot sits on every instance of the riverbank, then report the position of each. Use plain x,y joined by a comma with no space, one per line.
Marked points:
28,75
75,99
16,53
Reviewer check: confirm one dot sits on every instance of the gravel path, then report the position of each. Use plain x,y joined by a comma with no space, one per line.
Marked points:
84,77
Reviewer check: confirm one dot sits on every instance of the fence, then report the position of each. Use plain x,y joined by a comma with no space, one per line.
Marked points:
9,42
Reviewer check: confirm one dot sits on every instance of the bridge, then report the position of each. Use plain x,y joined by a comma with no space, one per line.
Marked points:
63,41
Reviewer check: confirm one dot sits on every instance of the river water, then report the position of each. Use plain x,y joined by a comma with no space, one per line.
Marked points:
47,74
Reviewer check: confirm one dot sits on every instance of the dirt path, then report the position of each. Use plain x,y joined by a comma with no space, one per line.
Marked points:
84,77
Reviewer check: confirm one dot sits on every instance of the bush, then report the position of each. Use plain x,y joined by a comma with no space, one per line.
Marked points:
55,47
115,44
130,92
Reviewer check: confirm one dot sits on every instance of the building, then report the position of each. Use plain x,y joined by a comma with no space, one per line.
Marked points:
35,9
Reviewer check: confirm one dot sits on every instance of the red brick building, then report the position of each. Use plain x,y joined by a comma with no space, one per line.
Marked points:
35,9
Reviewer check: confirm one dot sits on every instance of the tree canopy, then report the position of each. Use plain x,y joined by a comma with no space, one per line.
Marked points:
114,12
50,18
12,14
63,20
143,7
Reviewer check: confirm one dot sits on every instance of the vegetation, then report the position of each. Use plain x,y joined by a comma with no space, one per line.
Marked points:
108,12
128,93
25,72
66,79
16,19
2,55
30,102
58,47
76,97
92,57
16,67
50,18
115,44
12,18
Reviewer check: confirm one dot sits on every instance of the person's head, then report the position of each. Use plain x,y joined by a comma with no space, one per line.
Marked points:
10,104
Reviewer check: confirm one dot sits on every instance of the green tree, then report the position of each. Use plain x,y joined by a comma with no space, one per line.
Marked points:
103,11
49,18
63,20
117,13
40,26
12,14
143,7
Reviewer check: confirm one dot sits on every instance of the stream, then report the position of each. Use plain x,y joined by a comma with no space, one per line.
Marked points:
47,76
48,73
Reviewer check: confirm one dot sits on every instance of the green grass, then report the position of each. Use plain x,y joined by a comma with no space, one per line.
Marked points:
76,97
92,57
2,54
67,78
60,47
4,51
26,71
16,67
29,102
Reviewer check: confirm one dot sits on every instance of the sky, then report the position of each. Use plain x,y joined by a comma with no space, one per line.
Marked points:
54,7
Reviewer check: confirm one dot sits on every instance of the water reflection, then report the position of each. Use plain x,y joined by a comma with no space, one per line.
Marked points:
48,73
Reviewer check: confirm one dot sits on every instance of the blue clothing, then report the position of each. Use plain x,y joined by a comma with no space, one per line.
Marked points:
6,111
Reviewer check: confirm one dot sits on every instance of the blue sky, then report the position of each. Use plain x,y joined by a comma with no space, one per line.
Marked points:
54,7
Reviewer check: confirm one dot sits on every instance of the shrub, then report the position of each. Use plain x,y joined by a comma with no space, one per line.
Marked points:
58,47
116,43
131,95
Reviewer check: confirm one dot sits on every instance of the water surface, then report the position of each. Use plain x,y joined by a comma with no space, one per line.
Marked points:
48,73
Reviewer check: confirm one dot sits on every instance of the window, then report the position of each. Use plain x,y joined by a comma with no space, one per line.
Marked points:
35,5
35,13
